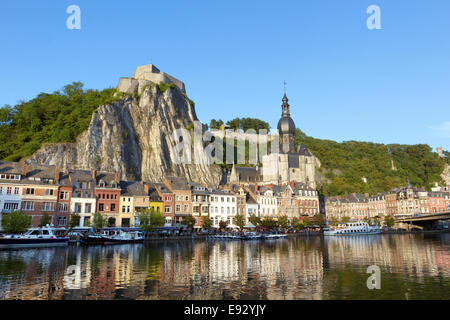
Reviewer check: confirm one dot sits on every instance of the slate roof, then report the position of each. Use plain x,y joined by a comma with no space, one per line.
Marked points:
133,188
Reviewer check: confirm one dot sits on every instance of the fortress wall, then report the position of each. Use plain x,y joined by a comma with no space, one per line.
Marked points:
128,85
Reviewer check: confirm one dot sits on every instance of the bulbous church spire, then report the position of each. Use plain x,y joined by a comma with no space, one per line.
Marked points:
286,127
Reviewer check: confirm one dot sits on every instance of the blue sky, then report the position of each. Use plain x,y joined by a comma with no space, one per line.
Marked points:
344,81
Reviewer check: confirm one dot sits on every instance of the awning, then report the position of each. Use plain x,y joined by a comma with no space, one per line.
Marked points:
249,225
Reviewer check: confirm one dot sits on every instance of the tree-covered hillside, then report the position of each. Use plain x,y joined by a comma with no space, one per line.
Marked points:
384,166
61,116
48,118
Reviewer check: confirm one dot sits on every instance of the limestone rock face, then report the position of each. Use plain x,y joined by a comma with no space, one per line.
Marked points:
446,175
133,137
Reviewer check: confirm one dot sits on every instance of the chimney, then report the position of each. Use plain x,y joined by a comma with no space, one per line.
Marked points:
292,184
57,172
24,170
117,177
94,174
256,187
146,188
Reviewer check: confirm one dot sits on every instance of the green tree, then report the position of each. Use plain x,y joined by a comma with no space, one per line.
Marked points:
256,221
377,221
306,222
345,220
48,118
239,221
16,223
99,221
144,218
269,223
207,223
189,221
283,222
156,219
319,220
297,224
74,221
215,124
223,225
333,221
45,220
389,221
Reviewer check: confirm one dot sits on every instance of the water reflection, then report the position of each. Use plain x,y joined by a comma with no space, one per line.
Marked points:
413,267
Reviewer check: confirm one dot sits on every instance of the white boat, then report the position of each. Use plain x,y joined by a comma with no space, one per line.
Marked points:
36,237
352,229
115,236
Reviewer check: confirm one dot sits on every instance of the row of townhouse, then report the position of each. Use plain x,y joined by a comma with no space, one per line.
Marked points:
399,202
37,190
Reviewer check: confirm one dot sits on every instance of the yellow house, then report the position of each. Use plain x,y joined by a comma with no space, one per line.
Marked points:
156,201
133,199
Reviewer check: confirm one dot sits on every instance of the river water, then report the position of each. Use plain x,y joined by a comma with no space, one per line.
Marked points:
413,266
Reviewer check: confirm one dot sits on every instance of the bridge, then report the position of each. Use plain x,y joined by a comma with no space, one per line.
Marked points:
422,222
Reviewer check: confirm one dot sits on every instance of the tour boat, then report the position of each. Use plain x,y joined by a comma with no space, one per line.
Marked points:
36,237
275,236
116,236
352,229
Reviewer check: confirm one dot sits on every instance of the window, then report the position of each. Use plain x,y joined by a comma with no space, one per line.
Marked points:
28,205
87,208
8,190
11,206
123,209
49,192
178,208
16,191
64,195
113,207
48,206
62,221
186,208
77,207
63,207
101,207
167,209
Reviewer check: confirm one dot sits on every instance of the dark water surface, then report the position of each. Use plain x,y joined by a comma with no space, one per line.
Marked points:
413,266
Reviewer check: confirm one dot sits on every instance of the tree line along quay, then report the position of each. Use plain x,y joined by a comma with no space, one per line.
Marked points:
36,195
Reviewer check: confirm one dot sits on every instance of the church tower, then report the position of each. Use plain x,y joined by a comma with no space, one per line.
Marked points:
286,128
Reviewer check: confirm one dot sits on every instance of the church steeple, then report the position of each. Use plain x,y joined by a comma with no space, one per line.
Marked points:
285,107
286,127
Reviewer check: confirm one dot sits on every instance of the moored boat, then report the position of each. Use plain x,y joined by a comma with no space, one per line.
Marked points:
117,236
36,237
352,229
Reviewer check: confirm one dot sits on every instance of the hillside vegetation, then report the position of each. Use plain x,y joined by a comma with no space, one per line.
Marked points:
48,118
384,166
61,116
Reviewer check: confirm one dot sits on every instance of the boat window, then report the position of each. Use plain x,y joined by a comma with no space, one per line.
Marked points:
35,233
45,232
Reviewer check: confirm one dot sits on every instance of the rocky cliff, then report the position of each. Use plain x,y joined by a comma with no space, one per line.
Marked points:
133,137
446,175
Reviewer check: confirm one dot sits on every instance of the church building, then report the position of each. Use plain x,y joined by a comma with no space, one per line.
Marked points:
289,164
